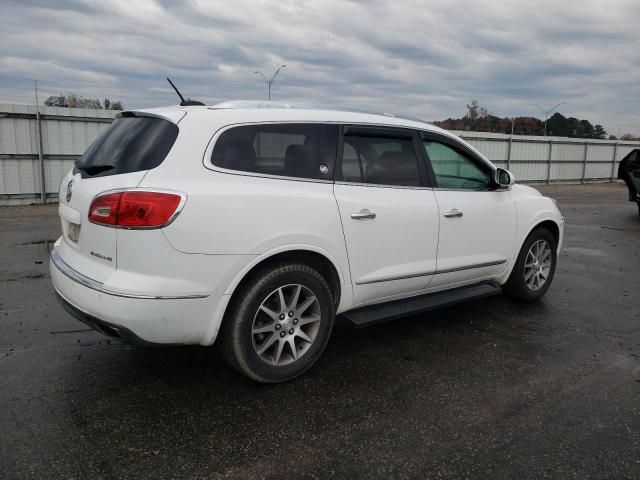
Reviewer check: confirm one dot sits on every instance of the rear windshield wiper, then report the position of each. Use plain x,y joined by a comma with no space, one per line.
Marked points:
93,169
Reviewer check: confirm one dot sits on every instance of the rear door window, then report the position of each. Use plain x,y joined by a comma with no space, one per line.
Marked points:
290,150
130,144
380,160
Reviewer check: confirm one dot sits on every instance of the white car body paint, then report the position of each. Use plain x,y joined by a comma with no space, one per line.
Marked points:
173,284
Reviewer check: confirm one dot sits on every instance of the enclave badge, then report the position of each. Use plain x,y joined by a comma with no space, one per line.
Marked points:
69,190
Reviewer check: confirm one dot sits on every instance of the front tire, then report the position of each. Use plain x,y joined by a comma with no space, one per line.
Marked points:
535,267
278,323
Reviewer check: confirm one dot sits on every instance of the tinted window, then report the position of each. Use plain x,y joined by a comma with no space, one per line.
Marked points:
130,144
350,164
380,160
292,150
455,170
633,162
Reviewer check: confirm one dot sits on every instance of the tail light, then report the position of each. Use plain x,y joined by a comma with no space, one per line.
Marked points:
135,209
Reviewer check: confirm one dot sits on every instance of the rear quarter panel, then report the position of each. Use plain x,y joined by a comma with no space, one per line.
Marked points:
239,214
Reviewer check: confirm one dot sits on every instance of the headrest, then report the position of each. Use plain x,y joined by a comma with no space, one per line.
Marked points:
298,162
393,168
236,154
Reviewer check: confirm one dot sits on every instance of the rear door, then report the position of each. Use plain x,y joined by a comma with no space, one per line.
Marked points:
389,214
118,159
477,222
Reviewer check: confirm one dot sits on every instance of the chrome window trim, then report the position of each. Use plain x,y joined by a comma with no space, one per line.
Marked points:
208,152
69,272
380,185
242,173
207,159
209,165
470,191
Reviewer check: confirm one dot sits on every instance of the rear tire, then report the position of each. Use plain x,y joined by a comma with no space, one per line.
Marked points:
278,323
535,267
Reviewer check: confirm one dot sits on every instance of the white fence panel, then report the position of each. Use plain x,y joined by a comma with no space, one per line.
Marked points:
67,132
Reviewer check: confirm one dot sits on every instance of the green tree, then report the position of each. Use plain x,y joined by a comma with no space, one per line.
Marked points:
599,132
71,100
628,136
558,125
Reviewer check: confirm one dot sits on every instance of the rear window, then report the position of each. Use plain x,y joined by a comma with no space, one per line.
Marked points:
131,144
291,150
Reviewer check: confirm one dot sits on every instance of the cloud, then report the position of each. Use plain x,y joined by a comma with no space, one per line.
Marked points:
425,59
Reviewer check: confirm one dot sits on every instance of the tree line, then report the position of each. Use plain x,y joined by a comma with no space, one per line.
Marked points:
478,119
71,100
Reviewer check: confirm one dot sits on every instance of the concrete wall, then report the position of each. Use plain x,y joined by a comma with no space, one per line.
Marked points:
67,132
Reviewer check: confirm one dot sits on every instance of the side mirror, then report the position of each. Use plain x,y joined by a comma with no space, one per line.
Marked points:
503,178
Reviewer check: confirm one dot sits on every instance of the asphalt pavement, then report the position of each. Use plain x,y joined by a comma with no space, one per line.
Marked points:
488,389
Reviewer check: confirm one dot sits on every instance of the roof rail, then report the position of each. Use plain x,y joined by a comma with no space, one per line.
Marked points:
250,104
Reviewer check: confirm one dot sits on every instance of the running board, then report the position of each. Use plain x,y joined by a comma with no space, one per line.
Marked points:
383,312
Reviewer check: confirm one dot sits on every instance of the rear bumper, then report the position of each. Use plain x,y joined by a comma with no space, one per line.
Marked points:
137,319
77,277
109,329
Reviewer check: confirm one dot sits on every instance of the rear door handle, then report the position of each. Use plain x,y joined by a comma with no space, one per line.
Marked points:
453,213
363,215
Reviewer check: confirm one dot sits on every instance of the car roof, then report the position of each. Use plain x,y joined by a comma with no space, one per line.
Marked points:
253,111
289,110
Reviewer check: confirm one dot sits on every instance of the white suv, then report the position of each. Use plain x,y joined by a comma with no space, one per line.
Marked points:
256,224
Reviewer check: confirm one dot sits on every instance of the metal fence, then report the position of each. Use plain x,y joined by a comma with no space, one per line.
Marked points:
38,146
552,159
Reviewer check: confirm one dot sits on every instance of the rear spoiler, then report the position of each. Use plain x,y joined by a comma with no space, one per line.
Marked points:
174,115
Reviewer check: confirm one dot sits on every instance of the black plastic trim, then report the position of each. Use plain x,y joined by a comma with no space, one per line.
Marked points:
106,328
378,131
384,312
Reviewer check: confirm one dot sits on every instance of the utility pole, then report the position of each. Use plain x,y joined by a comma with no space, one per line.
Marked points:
269,82
43,183
547,113
513,121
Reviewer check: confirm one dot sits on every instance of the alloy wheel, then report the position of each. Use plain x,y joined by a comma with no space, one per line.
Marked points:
286,324
537,266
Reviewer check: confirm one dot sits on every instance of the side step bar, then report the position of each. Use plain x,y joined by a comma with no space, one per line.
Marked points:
383,312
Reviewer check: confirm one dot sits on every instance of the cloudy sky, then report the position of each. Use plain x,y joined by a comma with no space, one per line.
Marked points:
422,58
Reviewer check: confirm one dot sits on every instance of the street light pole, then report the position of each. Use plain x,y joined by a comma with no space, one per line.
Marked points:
547,113
269,82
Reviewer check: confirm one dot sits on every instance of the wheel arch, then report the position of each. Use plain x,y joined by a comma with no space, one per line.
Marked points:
548,223
308,254
312,257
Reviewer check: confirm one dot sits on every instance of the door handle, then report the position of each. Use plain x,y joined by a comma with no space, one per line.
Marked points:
453,213
363,215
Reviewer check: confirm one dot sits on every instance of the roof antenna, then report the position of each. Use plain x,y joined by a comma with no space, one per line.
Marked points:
183,102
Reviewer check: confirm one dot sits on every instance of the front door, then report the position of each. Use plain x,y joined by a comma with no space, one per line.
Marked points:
389,217
477,222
